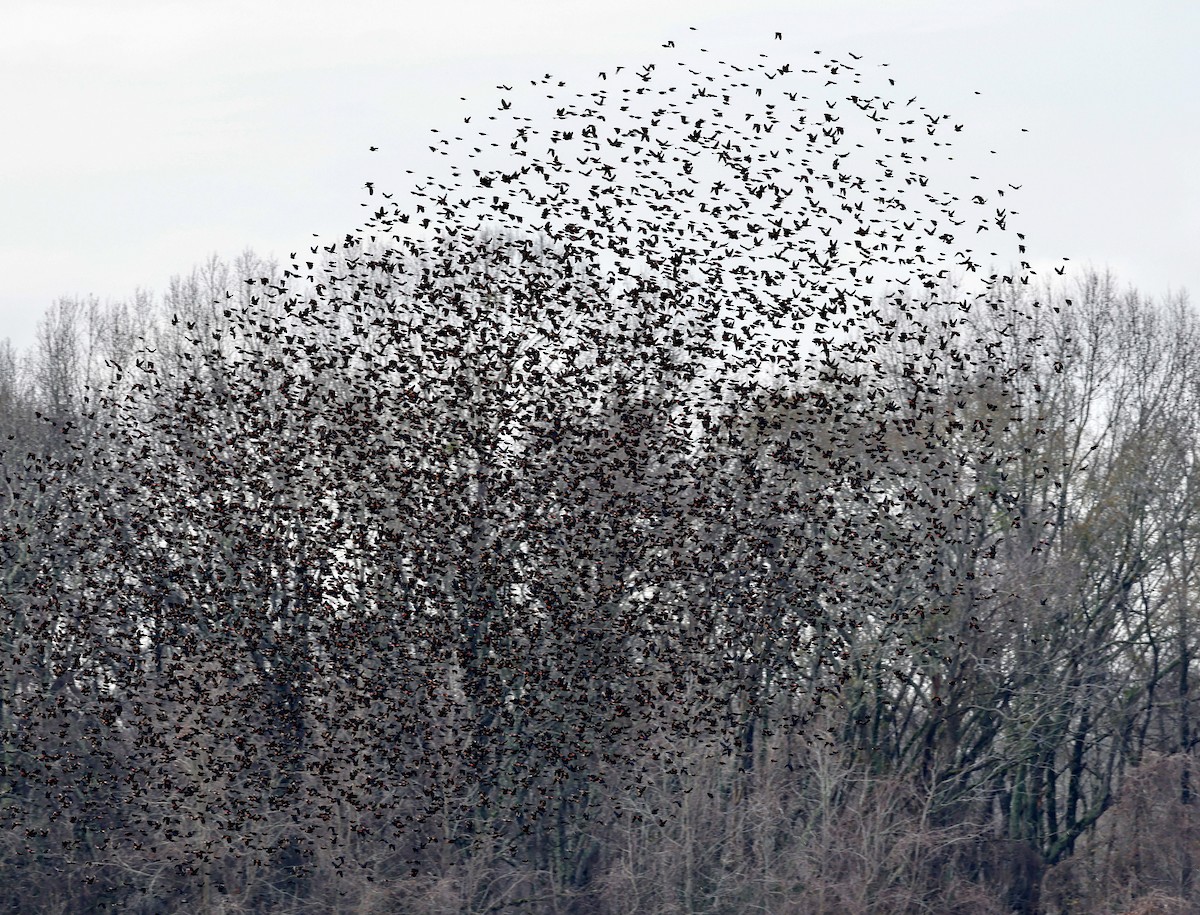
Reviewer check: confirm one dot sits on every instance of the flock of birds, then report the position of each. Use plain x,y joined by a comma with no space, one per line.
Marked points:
463,426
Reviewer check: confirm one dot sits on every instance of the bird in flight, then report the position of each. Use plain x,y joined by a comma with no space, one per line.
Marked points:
589,462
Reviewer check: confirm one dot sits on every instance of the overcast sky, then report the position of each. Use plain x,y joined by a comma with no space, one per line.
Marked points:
141,137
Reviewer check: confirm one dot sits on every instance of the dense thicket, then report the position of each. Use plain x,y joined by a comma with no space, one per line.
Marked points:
971,754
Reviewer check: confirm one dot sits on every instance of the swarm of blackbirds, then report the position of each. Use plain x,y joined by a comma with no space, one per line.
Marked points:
598,446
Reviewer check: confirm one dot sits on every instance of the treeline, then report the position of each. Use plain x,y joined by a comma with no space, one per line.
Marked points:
315,604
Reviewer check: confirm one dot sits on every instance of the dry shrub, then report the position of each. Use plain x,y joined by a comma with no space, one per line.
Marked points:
1143,851
1160,904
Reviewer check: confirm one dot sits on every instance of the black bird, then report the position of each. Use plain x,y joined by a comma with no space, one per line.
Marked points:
593,467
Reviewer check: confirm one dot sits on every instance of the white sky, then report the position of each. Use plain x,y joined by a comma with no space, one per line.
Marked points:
142,136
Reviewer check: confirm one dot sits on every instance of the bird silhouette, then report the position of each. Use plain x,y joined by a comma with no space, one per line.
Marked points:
591,455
